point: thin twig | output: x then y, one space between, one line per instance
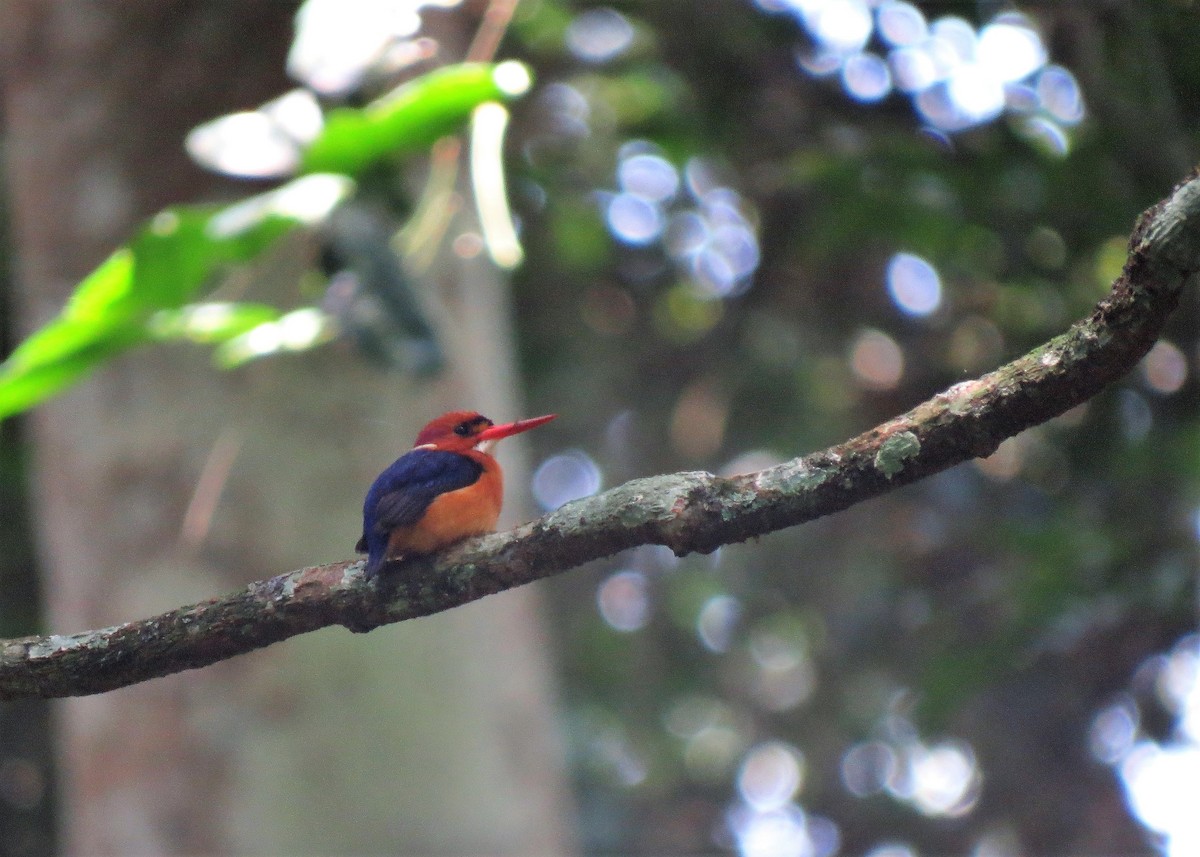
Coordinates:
493 26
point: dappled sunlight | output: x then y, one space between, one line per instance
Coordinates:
708 233
263 143
334 52
957 76
1159 776
309 199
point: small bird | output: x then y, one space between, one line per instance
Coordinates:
446 488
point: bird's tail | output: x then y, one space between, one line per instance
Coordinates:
375 564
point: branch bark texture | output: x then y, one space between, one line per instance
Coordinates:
687 512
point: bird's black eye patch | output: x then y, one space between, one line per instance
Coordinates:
472 426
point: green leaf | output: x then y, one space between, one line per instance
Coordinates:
20 390
103 289
411 118
141 292
96 311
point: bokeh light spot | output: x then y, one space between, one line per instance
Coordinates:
623 601
1165 368
1045 134
876 360
309 199
649 176
1009 52
634 219
913 284
1113 731
954 40
913 69
1159 776
958 77
976 93
844 25
940 780
333 50
901 23
599 35
1046 248
1178 686
1059 94
1161 786
566 109
819 63
264 143
771 775
1136 417
687 233
786 675
565 477
975 344
779 832
866 77
717 621
868 767
684 313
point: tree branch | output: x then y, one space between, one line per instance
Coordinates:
684 511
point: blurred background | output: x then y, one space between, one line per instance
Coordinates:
736 231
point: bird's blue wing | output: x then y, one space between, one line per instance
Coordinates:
402 493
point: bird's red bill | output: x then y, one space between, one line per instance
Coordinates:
507 429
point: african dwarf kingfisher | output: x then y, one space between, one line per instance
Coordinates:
446 488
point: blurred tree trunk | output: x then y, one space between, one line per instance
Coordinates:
428 737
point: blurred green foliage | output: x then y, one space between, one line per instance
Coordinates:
1000 605
147 291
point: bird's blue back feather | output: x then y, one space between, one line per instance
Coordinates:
401 495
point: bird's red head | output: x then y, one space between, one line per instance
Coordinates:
460 431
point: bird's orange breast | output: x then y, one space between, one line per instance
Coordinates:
453 516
